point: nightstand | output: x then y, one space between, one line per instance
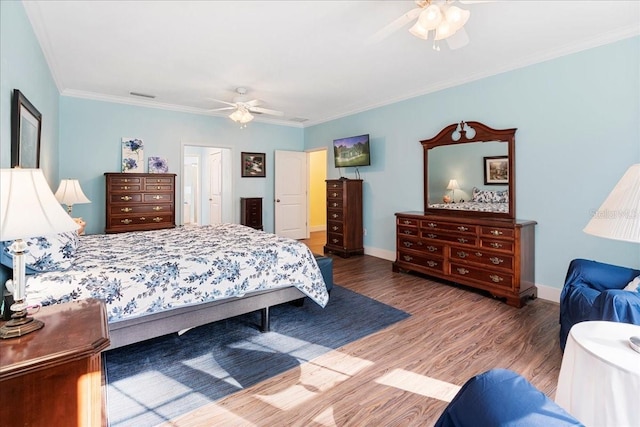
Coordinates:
54 375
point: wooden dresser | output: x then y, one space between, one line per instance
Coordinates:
489 254
139 201
344 217
251 212
53 376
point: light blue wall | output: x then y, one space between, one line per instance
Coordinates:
91 134
578 132
23 67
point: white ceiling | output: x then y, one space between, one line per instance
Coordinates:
313 60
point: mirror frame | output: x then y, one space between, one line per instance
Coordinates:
456 133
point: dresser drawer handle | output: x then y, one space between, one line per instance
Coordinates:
432 225
157 208
157 219
432 236
126 198
126 210
335 240
335 228
126 221
496 260
408 258
462 254
334 194
124 187
409 232
157 197
334 204
125 180
408 244
143 218
496 232
432 248
479 254
495 245
462 271
431 263
158 188
462 240
334 215
158 180
495 278
335 185
463 228
407 221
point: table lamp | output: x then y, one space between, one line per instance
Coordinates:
619 216
69 193
453 186
28 208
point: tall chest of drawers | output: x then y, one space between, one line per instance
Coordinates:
139 201
493 255
251 212
344 217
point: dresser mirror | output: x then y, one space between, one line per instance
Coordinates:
469 170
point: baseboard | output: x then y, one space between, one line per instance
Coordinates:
314 228
547 293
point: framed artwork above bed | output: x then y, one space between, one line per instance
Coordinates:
496 170
26 130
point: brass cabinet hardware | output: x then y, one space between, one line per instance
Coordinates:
462 254
157 219
126 210
462 240
157 197
495 278
125 187
496 260
431 248
431 263
157 208
126 198
408 244
408 258
462 271
496 232
126 221
463 228
495 245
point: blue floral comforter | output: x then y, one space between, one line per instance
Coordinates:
140 273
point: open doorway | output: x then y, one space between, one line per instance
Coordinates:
207 187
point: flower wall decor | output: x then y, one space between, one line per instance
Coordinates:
132 155
158 165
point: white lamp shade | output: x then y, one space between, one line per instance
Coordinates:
619 216
28 207
69 193
453 185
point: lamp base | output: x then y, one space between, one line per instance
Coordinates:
19 326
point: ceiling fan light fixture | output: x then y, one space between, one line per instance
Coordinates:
457 17
419 31
430 17
444 18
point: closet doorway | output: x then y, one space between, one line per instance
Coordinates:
206 185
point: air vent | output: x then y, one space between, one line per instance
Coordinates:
143 95
298 119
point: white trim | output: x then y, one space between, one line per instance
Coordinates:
314 228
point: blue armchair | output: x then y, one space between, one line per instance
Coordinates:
501 397
594 291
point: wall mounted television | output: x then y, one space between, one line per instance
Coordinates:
352 151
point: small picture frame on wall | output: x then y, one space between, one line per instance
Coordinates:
496 170
158 165
26 130
132 155
253 165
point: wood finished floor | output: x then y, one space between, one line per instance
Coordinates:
399 376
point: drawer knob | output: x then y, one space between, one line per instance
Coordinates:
142 218
479 254
496 260
432 236
462 240
462 254
463 228
126 221
334 215
407 258
431 263
158 187
431 248
126 210
495 278
495 245
157 208
124 187
335 228
334 194
409 232
158 180
432 225
407 222
335 240
125 180
462 271
496 232
334 204
157 219
157 197
408 244
126 198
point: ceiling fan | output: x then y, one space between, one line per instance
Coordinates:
441 18
242 108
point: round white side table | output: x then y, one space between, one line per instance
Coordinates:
599 381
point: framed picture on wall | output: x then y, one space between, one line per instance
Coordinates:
496 170
253 165
26 130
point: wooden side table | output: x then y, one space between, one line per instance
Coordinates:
54 376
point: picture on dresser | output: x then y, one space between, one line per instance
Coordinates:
132 155
253 165
158 165
496 170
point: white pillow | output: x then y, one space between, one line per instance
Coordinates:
634 285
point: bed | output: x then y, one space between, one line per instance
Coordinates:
481 201
164 281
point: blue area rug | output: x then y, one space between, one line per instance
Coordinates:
157 380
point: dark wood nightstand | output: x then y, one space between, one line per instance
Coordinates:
53 376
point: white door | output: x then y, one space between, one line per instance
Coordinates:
215 188
291 194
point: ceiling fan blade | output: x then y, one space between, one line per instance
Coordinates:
459 39
223 102
266 111
394 26
222 109
253 103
